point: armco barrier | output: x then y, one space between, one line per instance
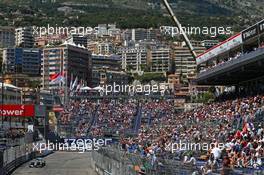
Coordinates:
13 157
10 167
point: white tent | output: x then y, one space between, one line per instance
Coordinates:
86 88
9 86
98 88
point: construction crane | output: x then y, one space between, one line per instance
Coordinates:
178 24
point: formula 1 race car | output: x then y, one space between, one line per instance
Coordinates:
38 163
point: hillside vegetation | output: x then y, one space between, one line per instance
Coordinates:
131 13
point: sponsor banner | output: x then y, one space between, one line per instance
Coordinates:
57 108
250 33
261 27
17 110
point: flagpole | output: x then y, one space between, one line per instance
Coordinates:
66 87
71 82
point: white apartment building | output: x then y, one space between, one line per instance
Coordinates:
159 59
185 64
24 37
133 58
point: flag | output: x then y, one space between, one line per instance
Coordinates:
79 86
74 83
57 78
71 81
83 83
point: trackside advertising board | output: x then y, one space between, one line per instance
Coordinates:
17 110
250 33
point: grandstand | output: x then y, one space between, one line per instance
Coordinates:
234 61
144 127
237 123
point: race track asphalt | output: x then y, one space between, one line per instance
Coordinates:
61 163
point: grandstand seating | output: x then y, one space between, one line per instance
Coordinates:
231 122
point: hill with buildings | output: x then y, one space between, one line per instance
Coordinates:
238 14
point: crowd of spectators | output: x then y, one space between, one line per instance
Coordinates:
14 133
99 118
224 61
158 108
237 124
78 114
221 62
114 117
14 128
